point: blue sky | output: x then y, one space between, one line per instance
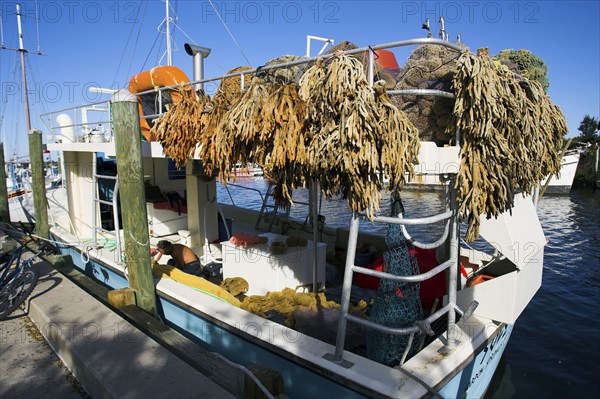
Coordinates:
103 43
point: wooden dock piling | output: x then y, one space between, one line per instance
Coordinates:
4 211
133 199
38 183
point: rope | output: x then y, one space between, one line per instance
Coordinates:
85 254
250 374
5 99
136 241
150 52
230 34
137 39
33 78
123 53
430 389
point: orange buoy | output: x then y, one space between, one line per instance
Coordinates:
155 78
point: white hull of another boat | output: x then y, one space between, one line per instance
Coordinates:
429 176
21 208
564 182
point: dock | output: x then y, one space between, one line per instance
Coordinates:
108 355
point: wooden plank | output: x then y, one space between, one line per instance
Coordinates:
271 380
133 199
38 183
4 211
64 263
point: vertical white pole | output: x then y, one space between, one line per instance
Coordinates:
23 74
307 46
314 216
168 30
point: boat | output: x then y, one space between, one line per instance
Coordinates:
425 179
564 181
19 190
250 171
463 336
473 294
20 201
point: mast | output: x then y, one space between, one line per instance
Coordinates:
22 52
168 32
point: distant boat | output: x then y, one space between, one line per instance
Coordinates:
249 171
431 178
20 201
564 182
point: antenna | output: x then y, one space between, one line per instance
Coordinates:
443 35
167 22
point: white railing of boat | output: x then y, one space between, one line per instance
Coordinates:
81 122
305 60
262 198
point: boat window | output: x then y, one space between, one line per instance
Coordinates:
174 173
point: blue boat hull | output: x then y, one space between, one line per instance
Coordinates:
299 381
475 378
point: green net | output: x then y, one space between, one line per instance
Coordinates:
397 304
526 64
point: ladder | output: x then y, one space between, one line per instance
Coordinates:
270 210
452 228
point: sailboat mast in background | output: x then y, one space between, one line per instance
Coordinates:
22 52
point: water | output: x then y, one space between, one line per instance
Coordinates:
554 351
416 203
